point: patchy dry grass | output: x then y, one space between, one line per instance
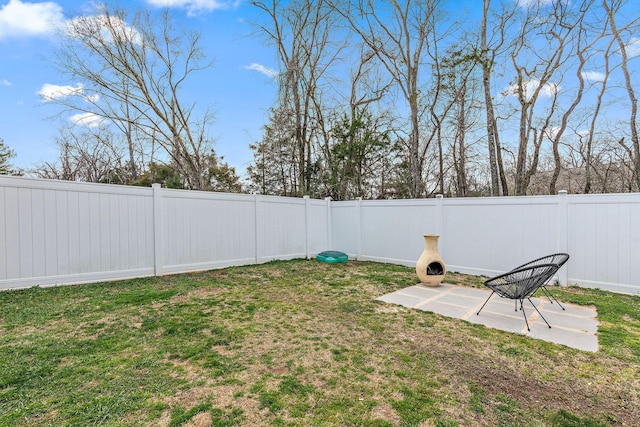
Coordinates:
298 343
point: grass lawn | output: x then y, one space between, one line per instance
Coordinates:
299 343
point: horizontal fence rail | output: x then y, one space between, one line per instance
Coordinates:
59 232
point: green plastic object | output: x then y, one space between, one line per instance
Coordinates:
332 256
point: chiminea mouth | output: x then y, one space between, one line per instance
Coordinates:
435 269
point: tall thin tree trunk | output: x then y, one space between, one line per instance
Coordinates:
492 135
461 172
633 124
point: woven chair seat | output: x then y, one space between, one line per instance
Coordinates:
520 284
560 259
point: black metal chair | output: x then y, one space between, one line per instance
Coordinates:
560 259
520 284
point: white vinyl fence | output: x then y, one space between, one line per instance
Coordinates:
491 235
56 232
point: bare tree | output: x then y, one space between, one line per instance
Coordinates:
535 71
595 115
416 89
132 69
489 50
356 159
584 44
439 105
399 36
460 86
87 155
633 149
301 32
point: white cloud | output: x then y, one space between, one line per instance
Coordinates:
593 76
262 69
528 3
5 82
583 133
549 90
49 92
92 98
96 27
23 19
195 6
89 120
633 47
552 132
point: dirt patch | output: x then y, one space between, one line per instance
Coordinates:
186 369
190 398
226 396
388 309
203 419
535 382
385 412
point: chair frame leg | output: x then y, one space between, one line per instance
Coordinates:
550 296
485 303
541 316
524 314
526 321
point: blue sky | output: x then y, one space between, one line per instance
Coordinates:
237 87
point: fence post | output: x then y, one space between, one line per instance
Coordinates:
439 213
157 229
563 237
359 228
307 224
256 235
329 227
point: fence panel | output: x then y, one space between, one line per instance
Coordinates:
204 230
345 227
392 229
282 228
65 232
491 235
318 222
604 241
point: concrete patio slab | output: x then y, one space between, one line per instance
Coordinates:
576 326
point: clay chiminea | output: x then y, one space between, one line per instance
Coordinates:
430 266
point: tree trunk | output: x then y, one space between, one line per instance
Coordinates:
492 134
633 124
